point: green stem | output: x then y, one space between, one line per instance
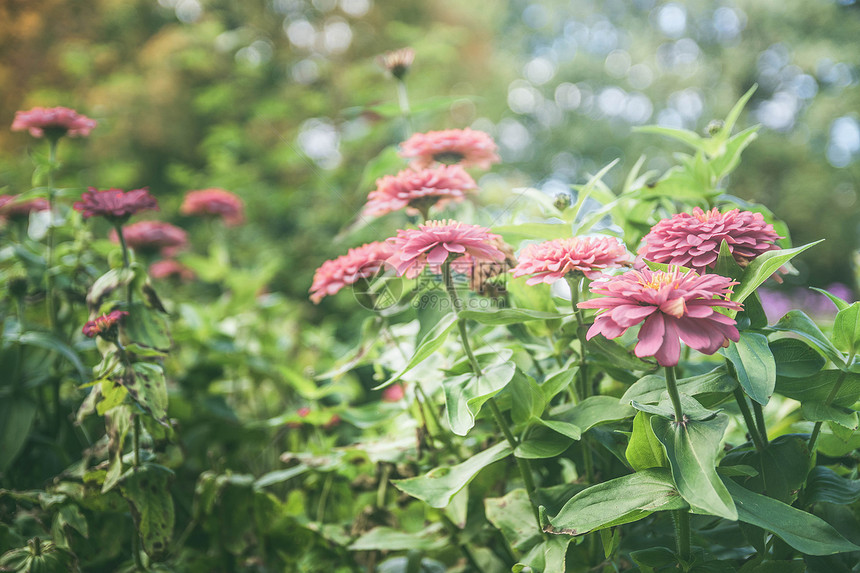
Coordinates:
135 440
741 399
432 411
672 388
454 532
49 252
575 287
125 262
681 519
135 550
816 430
403 101
759 418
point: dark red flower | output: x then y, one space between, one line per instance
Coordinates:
105 325
115 205
53 122
153 236
14 209
214 202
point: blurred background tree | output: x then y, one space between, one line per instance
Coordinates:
283 103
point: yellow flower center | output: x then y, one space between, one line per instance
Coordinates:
659 280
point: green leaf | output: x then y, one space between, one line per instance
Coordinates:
49 342
503 316
803 531
514 234
691 408
654 557
514 517
564 428
431 343
439 485
783 465
846 329
773 567
118 421
547 556
146 385
145 327
106 284
543 443
736 110
650 389
644 450
762 267
754 364
388 539
147 490
558 382
822 412
826 485
113 394
617 501
798 323
603 350
280 476
726 161
691 138
727 266
840 304
795 358
596 410
527 400
692 450
466 394
817 388
17 413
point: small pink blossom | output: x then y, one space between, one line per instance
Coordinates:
675 308
397 62
170 268
105 325
433 242
359 263
693 240
11 207
464 146
547 262
215 202
417 191
53 121
115 205
393 393
153 237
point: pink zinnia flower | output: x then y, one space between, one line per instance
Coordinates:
12 208
105 325
693 240
359 263
552 260
433 242
115 205
674 307
152 237
464 146
214 202
53 121
170 268
419 190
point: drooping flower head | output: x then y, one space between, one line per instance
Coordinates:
105 326
359 263
170 269
675 307
693 240
547 262
152 237
215 202
464 146
54 122
417 191
397 62
115 205
434 241
12 208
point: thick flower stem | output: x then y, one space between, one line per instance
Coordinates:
816 430
49 251
125 262
748 419
759 418
672 388
403 101
681 519
585 390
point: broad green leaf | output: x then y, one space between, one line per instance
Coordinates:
822 412
389 539
736 110
795 358
726 161
798 323
817 388
762 267
644 450
596 410
527 400
280 476
754 364
466 394
50 342
654 557
691 408
756 566
691 138
439 485
543 443
846 329
692 452
17 413
564 428
146 385
603 350
106 284
514 517
617 501
431 343
550 555
558 382
826 485
118 421
840 304
649 389
146 327
147 490
112 394
503 316
727 266
803 531
782 466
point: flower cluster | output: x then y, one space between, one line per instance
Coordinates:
675 307
693 240
53 122
590 256
359 263
115 205
466 147
216 202
419 190
105 325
